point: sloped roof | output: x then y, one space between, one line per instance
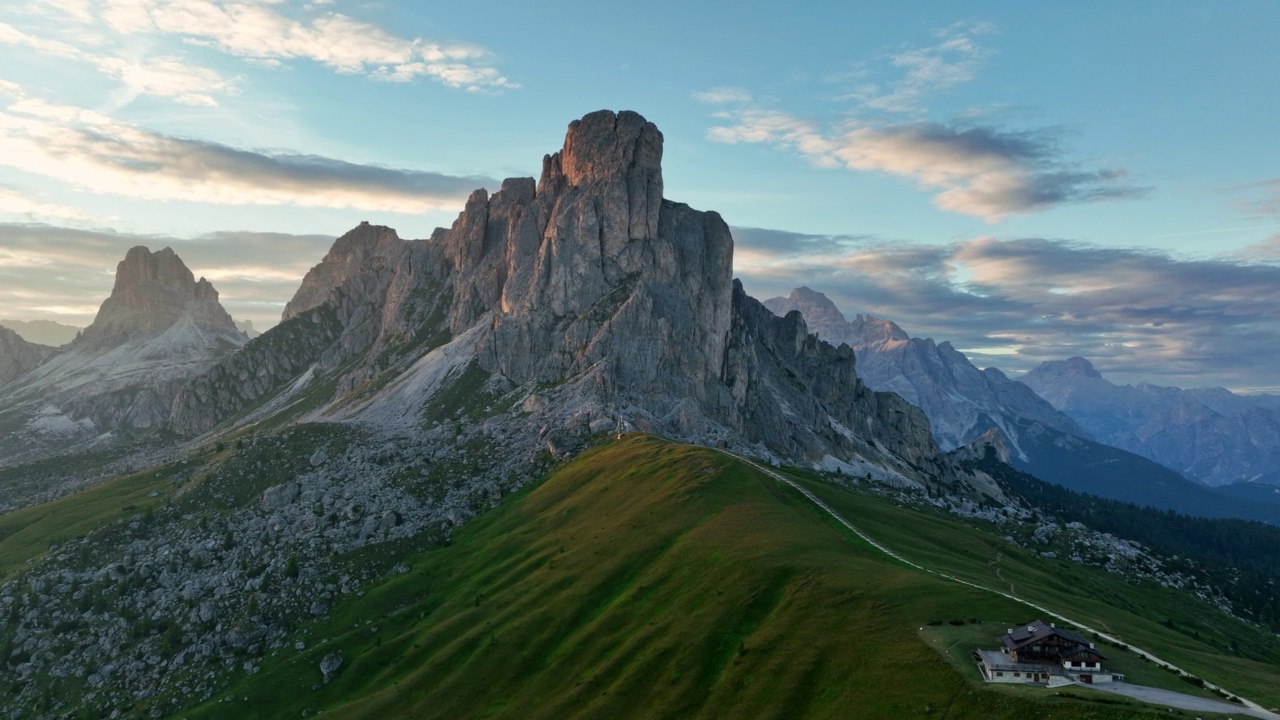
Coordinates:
1025 635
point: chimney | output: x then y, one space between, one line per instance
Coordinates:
1053 624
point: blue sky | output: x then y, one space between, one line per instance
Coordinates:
909 162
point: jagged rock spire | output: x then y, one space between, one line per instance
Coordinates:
152 292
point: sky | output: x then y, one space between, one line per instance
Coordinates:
1028 181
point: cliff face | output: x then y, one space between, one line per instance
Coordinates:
583 297
154 292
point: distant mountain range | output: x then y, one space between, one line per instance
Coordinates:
1210 434
964 404
42 332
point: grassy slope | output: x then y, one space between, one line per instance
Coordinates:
1136 613
28 534
647 579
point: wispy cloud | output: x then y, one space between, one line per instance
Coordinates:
161 76
981 171
1261 199
94 152
971 168
720 95
13 202
954 59
1266 251
266 31
1144 315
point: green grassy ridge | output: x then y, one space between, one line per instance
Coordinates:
646 579
1133 612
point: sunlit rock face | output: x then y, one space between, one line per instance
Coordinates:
590 296
154 291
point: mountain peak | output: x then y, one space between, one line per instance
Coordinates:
871 329
820 314
348 256
1073 367
154 291
605 144
616 157
1081 366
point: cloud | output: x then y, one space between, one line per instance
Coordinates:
973 169
13 202
161 76
981 171
260 30
756 250
65 274
94 152
953 60
722 95
1262 198
1142 315
1266 251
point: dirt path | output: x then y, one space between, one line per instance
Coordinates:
1253 708
996 562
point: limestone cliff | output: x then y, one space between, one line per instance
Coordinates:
583 297
154 292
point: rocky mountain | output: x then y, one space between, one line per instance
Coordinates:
246 327
42 332
307 517
575 302
971 409
17 356
1211 435
157 329
961 401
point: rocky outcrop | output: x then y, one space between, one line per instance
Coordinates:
961 401
373 300
159 328
589 296
17 356
991 442
1211 435
154 292
246 327
799 394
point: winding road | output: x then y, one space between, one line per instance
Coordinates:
1146 694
